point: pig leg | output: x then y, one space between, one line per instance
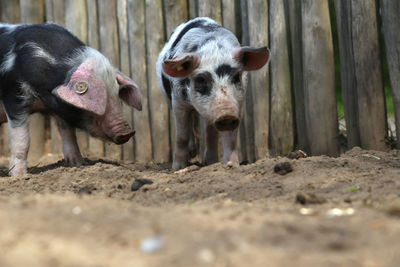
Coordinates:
211 151
19 146
228 139
183 126
72 155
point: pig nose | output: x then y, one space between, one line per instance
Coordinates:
226 123
123 138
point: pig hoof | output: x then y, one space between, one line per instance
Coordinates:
232 164
74 162
17 172
178 165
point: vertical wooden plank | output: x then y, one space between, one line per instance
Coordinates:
192 9
347 72
228 15
32 12
371 99
293 10
55 12
281 122
319 78
96 146
246 130
230 21
137 51
391 26
158 106
212 9
124 66
76 22
108 36
362 85
175 13
258 36
10 13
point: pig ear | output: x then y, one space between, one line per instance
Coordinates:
252 58
129 91
181 66
84 90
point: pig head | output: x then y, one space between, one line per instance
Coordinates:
216 91
98 92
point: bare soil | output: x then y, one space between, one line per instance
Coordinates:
341 211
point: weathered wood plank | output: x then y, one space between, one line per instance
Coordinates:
158 106
76 21
10 13
319 78
362 86
293 10
32 12
212 9
55 12
137 46
124 66
246 127
391 26
281 122
258 36
108 36
96 146
175 13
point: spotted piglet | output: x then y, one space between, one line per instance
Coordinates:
46 68
201 68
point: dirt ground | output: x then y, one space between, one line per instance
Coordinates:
327 212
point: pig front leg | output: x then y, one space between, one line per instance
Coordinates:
183 126
72 155
211 151
228 139
19 145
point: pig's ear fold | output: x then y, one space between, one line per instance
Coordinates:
252 58
181 66
84 90
129 92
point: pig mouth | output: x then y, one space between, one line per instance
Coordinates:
226 123
123 138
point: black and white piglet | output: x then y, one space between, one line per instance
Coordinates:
46 68
201 68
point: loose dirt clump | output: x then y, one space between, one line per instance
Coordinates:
326 212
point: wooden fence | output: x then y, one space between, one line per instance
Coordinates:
289 104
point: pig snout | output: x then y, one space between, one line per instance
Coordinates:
123 138
226 123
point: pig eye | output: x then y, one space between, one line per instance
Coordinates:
203 83
236 78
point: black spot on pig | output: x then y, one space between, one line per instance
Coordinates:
203 83
199 23
167 85
225 70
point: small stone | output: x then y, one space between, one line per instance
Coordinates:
297 154
84 190
119 186
283 168
139 182
309 198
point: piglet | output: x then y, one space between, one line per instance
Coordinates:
201 69
46 68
